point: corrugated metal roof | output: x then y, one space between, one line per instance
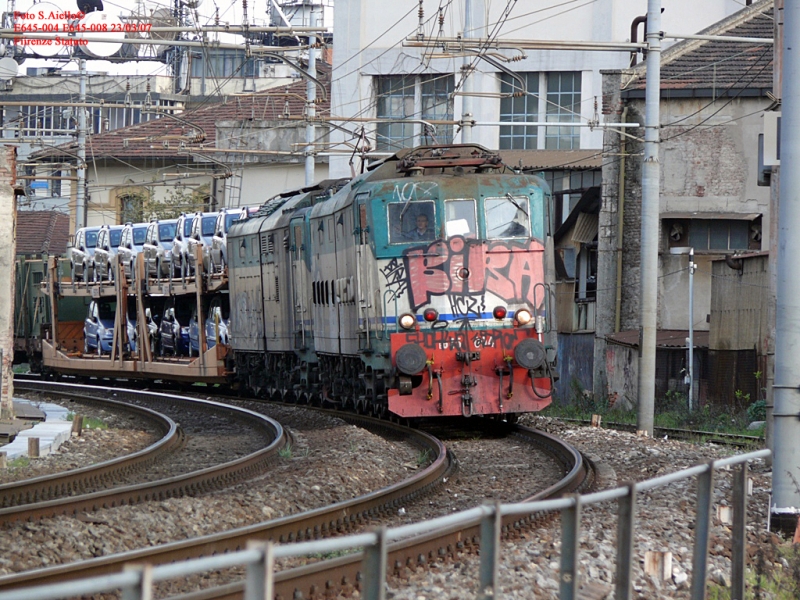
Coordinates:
553 159
585 230
665 338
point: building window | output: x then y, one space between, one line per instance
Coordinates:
719 234
563 106
560 104
437 105
400 97
222 63
44 121
519 108
55 184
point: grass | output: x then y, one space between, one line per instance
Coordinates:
289 451
423 457
19 462
671 412
776 579
89 422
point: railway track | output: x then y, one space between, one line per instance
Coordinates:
50 495
342 572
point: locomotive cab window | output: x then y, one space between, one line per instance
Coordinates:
507 217
460 218
411 222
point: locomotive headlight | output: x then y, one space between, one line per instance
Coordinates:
523 316
407 321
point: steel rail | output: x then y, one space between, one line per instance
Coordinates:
57 485
211 478
339 517
345 573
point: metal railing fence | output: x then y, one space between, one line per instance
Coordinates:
137 580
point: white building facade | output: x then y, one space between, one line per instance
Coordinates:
377 82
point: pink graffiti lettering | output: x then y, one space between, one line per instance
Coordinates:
461 267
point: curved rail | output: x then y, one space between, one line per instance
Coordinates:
338 517
346 571
58 485
212 478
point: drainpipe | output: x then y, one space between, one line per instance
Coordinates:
620 218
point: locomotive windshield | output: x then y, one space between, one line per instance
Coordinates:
460 218
411 221
507 217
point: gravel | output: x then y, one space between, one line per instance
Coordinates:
314 476
311 477
665 521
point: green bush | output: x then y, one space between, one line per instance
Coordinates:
757 411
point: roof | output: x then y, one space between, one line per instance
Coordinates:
169 137
722 68
589 203
665 338
552 159
42 232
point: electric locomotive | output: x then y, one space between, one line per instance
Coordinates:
420 287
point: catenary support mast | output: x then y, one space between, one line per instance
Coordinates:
311 100
651 170
786 463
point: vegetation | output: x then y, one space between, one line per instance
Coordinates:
776 578
89 422
288 451
19 462
423 457
671 412
138 204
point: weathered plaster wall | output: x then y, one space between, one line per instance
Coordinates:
8 223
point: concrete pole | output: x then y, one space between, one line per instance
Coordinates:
8 218
80 193
786 462
651 171
691 328
467 112
311 100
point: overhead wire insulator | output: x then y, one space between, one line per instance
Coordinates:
421 28
246 27
441 21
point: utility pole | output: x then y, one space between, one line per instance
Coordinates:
80 192
651 172
311 100
786 462
467 114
